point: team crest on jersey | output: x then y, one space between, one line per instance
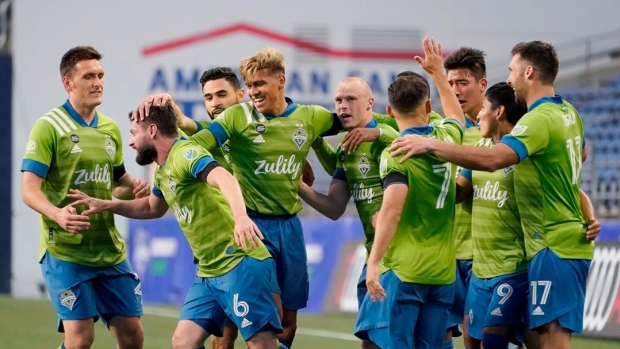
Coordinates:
110 147
364 165
31 147
67 299
172 185
191 154
300 136
383 167
507 170
226 148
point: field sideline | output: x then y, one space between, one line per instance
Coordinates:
30 324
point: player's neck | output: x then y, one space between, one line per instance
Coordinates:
87 113
163 148
415 119
280 106
539 92
473 113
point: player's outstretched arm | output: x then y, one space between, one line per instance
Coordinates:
66 217
331 205
245 229
587 208
433 65
394 198
326 155
144 208
128 188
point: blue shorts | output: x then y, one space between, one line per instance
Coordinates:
361 288
461 286
557 290
284 239
243 296
411 315
498 301
81 292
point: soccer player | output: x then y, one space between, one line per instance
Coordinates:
83 259
548 146
212 215
411 270
357 173
466 71
269 140
497 296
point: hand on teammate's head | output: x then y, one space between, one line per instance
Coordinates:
158 99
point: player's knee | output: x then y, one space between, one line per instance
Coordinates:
80 342
369 345
180 341
494 341
225 342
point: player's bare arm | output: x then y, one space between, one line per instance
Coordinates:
357 136
593 225
331 205
474 158
144 208
245 229
433 65
393 201
128 188
326 154
464 188
66 217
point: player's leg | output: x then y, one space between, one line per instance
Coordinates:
200 316
469 341
118 294
227 341
430 328
557 297
457 312
361 294
70 289
244 293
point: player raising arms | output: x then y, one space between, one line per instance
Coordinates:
238 280
411 270
548 146
83 259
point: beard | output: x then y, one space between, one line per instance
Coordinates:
146 155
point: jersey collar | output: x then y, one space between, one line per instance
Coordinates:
288 111
557 99
78 118
469 123
372 124
418 130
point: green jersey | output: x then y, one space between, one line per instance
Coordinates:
361 172
221 155
549 141
463 221
268 152
69 154
497 237
422 250
200 209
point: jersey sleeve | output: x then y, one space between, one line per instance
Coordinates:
529 136
118 139
390 165
454 130
193 160
339 171
322 119
385 120
218 132
434 118
326 155
388 134
40 149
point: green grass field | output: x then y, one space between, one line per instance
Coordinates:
31 324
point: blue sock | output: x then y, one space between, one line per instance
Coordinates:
494 341
286 344
448 344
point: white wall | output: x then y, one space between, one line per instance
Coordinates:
44 30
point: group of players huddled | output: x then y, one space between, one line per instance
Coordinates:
474 222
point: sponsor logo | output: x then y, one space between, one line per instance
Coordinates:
182 214
518 130
260 128
359 193
538 311
76 149
191 154
245 323
281 166
497 312
74 138
259 139
491 192
101 174
31 147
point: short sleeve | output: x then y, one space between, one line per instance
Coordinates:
385 120
453 129
390 164
322 119
529 136
40 148
339 171
118 139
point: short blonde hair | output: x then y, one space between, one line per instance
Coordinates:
269 58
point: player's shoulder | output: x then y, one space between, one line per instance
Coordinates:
313 108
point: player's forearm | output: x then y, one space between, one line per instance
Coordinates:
326 155
474 158
387 222
137 209
230 189
587 208
36 200
449 101
205 139
328 206
123 189
187 125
